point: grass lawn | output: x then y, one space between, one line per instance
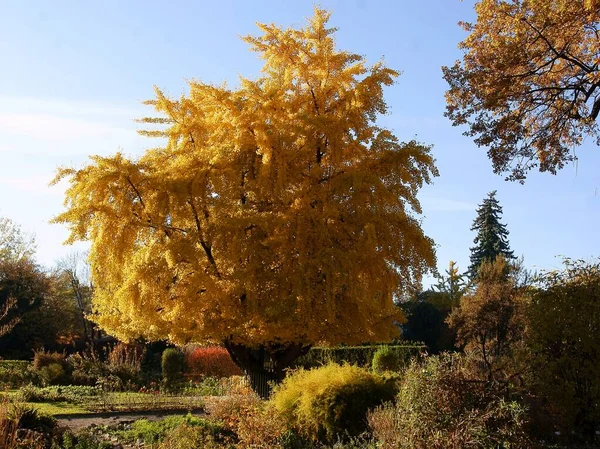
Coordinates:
116 401
143 401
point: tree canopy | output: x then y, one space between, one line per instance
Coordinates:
23 287
528 84
491 240
278 211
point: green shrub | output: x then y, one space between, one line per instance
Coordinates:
152 432
206 436
53 374
172 368
440 406
330 402
87 368
385 359
52 368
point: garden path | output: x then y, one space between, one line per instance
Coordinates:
83 421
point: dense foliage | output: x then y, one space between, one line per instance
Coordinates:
278 214
440 406
527 85
331 402
490 321
564 319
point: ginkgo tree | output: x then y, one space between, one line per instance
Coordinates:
277 215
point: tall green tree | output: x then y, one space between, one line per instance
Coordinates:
492 236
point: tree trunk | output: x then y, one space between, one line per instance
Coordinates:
265 365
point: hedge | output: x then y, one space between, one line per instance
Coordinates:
356 355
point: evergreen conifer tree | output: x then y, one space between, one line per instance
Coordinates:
492 236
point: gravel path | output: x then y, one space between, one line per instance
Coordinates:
82 421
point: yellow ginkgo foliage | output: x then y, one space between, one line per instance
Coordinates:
277 215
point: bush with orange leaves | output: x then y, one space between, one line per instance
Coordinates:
210 361
256 423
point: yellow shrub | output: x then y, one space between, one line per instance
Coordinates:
331 402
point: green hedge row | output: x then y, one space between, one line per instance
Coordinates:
22 364
355 355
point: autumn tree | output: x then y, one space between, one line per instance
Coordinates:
52 323
22 288
18 275
277 215
75 269
14 242
528 83
491 240
564 320
489 321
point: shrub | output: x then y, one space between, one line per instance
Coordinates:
210 361
172 368
438 406
87 368
230 410
31 419
186 436
52 368
152 432
385 359
125 361
564 315
331 402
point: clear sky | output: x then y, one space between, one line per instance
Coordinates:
73 75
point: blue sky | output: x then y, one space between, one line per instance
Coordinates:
74 74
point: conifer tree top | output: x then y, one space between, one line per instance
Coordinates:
492 235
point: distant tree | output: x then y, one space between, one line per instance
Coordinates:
14 243
492 236
564 322
528 85
76 269
453 284
54 324
22 288
490 320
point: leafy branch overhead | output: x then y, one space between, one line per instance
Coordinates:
528 86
